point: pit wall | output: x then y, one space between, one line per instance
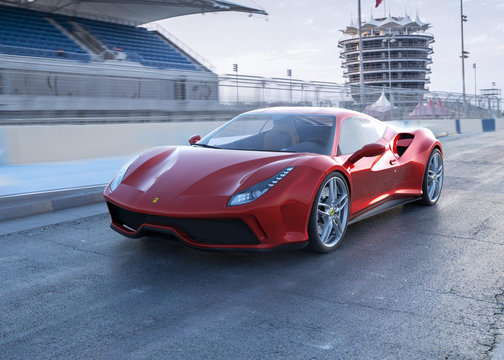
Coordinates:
442 127
47 143
3 145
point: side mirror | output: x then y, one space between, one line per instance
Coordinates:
368 150
194 139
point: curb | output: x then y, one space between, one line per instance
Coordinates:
22 205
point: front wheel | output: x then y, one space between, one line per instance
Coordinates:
329 215
433 179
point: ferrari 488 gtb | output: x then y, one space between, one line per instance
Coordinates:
276 177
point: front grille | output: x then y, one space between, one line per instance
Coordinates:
204 231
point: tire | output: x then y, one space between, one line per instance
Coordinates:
432 183
329 214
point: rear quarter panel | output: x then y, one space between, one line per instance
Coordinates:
416 156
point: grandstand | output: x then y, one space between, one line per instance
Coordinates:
94 57
29 33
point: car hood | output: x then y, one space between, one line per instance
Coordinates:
176 173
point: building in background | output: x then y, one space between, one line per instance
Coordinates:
396 57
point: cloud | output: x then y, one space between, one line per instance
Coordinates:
478 39
303 51
306 63
493 4
309 21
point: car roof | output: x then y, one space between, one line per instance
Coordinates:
338 112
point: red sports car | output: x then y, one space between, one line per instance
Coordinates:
276 177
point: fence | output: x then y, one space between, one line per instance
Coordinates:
25 90
259 91
104 89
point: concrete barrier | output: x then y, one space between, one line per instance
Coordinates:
453 126
47 143
471 126
2 146
437 126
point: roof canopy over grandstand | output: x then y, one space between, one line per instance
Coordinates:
135 11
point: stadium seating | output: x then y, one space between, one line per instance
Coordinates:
140 44
30 33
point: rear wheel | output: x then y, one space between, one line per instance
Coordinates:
329 215
433 179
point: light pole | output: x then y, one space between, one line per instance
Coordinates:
497 96
475 95
464 55
361 60
235 69
263 83
289 74
389 40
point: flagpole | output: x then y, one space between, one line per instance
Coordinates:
361 61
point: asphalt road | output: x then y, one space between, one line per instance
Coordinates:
414 283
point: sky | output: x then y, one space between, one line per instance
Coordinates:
303 35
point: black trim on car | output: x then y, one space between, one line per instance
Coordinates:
203 231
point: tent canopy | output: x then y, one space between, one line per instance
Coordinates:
429 110
381 105
135 11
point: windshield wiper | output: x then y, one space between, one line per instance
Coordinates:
206 146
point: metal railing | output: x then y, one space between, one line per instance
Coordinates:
385 76
392 47
422 34
72 86
46 53
23 91
428 50
384 67
180 44
85 57
420 57
253 91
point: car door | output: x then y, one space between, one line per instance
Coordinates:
373 178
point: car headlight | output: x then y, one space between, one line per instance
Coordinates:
120 174
258 190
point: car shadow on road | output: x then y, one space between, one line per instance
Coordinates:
359 237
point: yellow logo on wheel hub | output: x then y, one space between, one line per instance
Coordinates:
332 212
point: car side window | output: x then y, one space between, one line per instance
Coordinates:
357 131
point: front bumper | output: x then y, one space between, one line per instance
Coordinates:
239 233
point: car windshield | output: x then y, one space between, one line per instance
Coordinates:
275 132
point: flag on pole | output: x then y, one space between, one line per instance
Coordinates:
378 2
